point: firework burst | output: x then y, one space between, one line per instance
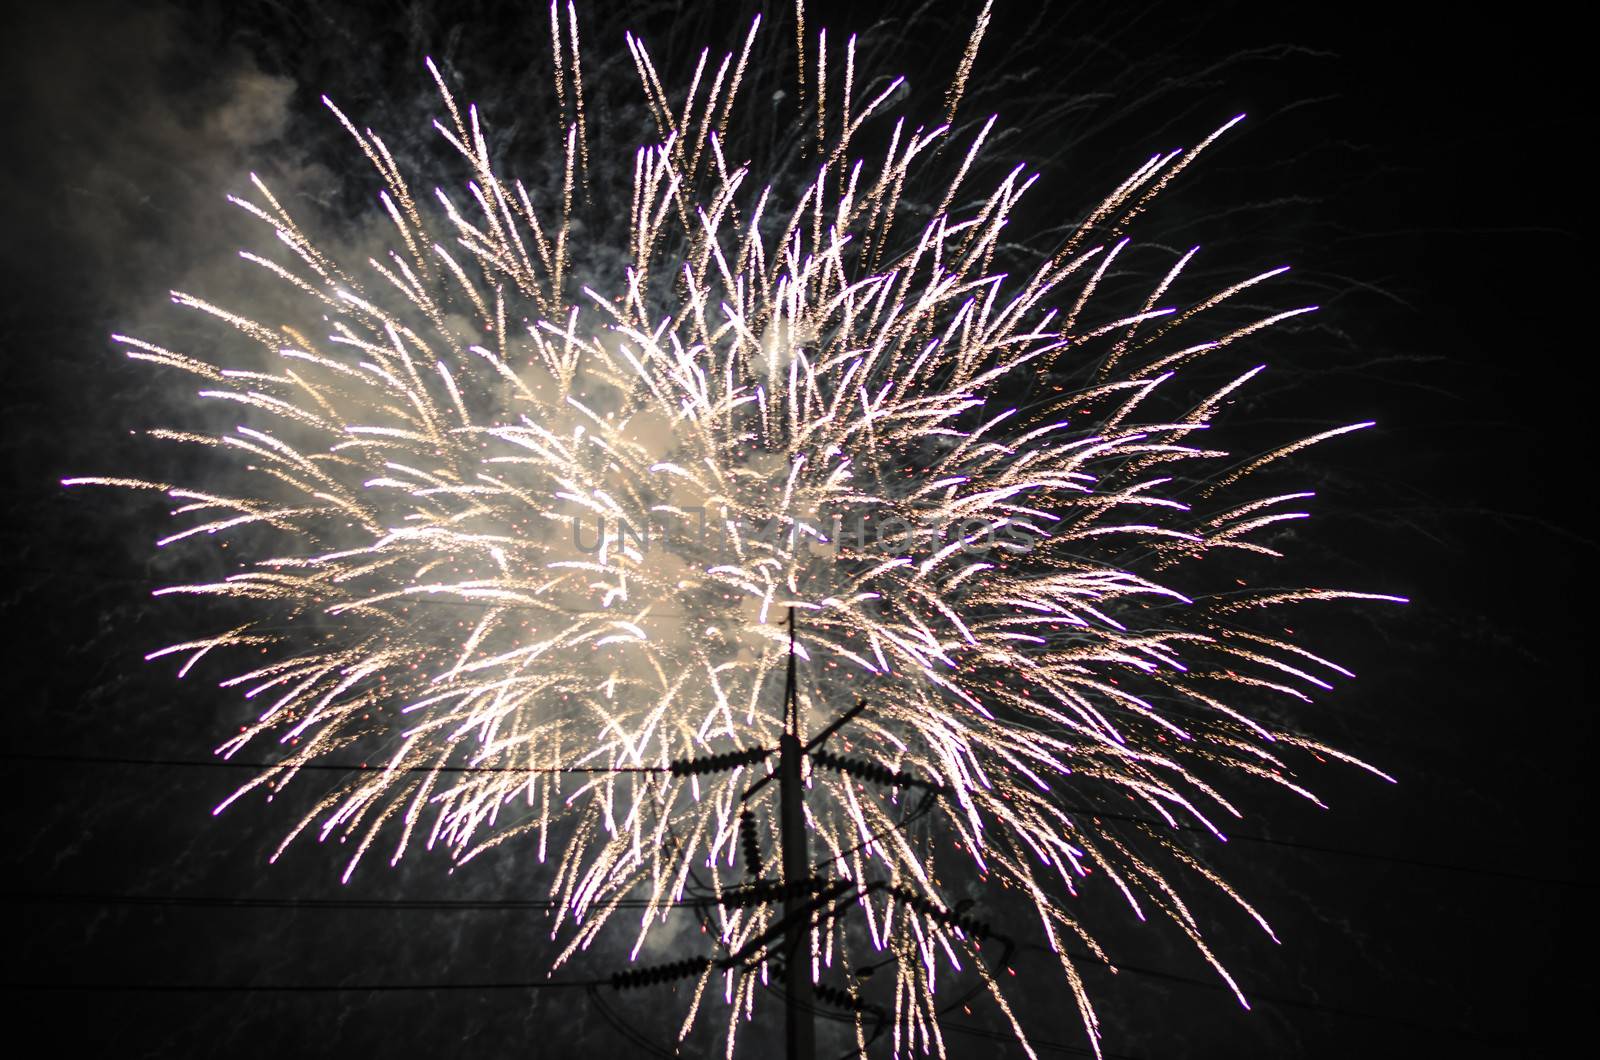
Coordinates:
494 520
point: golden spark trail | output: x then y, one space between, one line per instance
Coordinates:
487 515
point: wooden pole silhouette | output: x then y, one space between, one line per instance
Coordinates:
799 1035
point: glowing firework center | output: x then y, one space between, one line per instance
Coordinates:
490 530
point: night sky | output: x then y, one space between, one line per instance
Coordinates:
1422 174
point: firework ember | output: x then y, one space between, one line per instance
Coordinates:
495 516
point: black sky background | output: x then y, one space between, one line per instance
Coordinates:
1421 168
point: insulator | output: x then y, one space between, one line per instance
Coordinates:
684 767
834 996
752 846
932 910
872 771
762 892
660 973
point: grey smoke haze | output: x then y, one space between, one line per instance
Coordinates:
129 145
127 127
144 137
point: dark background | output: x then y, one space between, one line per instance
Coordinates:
1423 170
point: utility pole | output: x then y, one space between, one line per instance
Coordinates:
805 898
799 1034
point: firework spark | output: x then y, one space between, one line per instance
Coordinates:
489 523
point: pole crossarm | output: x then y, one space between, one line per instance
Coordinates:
808 900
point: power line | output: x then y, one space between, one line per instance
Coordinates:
326 767
387 904
591 985
1255 996
537 905
1038 1043
105 986
337 767
1442 866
